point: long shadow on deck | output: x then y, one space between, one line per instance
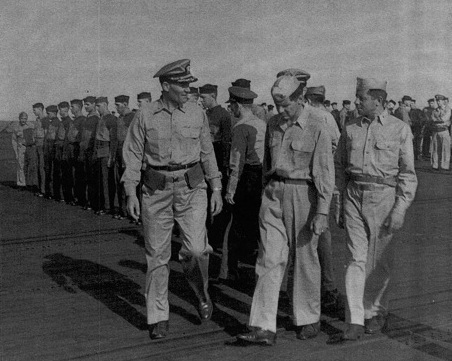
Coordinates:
116 291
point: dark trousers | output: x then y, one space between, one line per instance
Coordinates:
57 171
49 157
67 179
80 182
40 168
244 233
104 195
120 192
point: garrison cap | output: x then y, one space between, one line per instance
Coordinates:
284 87
90 99
392 101
333 103
144 95
52 109
346 102
363 84
77 101
406 97
317 90
301 75
63 105
122 99
177 71
440 97
38 105
194 90
242 83
208 89
241 95
101 100
428 101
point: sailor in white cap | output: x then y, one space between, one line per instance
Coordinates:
377 181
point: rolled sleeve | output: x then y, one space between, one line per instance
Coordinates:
132 152
237 159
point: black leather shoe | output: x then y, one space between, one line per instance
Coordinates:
205 310
158 330
258 336
353 332
307 331
375 324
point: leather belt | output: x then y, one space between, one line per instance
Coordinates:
172 168
290 181
365 178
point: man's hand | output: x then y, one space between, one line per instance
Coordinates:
216 203
229 198
319 224
338 210
133 207
394 221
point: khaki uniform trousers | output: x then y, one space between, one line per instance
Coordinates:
160 208
370 251
20 158
441 150
284 221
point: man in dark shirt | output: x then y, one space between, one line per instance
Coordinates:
144 98
124 120
418 122
72 152
220 131
86 156
104 155
39 132
336 114
50 130
61 178
428 133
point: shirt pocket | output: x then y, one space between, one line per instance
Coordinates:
387 152
190 140
301 153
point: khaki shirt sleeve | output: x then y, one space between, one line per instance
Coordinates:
323 171
407 180
237 159
208 160
133 152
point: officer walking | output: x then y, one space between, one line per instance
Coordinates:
172 138
299 169
376 177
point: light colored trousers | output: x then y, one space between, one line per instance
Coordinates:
160 209
19 149
370 251
284 221
441 150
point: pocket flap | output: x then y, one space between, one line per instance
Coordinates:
302 146
385 145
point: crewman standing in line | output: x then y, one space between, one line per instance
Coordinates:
49 150
144 98
39 134
172 138
377 181
124 120
72 152
104 155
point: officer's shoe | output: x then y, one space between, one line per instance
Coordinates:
159 330
307 331
258 336
205 310
375 324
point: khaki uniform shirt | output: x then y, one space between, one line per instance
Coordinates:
248 137
381 148
158 137
301 151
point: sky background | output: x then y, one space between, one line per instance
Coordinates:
56 50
